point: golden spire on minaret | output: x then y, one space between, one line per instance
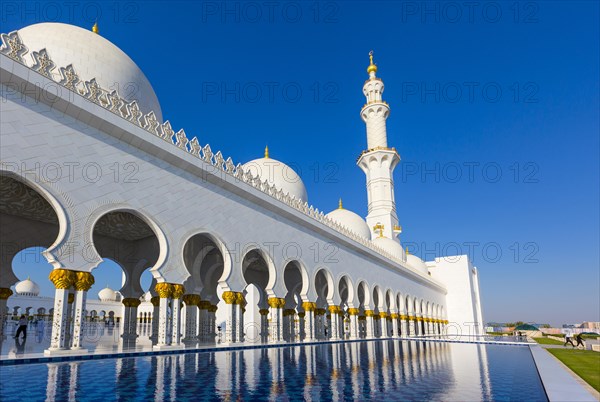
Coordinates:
95 27
267 152
372 67
340 205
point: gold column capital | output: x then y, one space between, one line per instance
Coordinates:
5 293
212 308
369 313
191 299
204 305
240 299
320 311
309 306
178 290
71 298
383 314
335 309
164 290
263 311
62 278
83 280
155 301
301 314
353 311
395 316
229 297
276 302
131 302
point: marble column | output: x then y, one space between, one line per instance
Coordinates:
231 326
212 323
301 325
411 325
165 292
5 293
178 291
395 325
264 324
83 283
129 321
354 331
334 328
384 324
191 317
370 324
288 319
62 279
155 318
203 307
404 325
309 321
320 324
276 304
241 302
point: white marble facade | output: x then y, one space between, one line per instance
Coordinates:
88 174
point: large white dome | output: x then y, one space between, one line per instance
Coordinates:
27 288
107 294
391 246
278 174
351 221
417 264
92 56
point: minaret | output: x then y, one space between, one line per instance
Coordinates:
378 161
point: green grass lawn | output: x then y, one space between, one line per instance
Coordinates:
583 362
548 341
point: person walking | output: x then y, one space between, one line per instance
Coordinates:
569 337
22 328
579 339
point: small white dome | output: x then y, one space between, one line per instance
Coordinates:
417 264
351 221
391 246
278 174
92 56
27 288
107 294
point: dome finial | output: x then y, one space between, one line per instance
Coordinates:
95 27
407 252
267 152
372 67
340 205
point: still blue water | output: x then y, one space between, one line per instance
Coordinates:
380 370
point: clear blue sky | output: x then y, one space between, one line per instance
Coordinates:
504 94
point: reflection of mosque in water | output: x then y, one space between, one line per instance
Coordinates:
364 370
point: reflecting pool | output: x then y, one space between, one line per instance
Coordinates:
377 370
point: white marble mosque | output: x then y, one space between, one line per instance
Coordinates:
227 243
